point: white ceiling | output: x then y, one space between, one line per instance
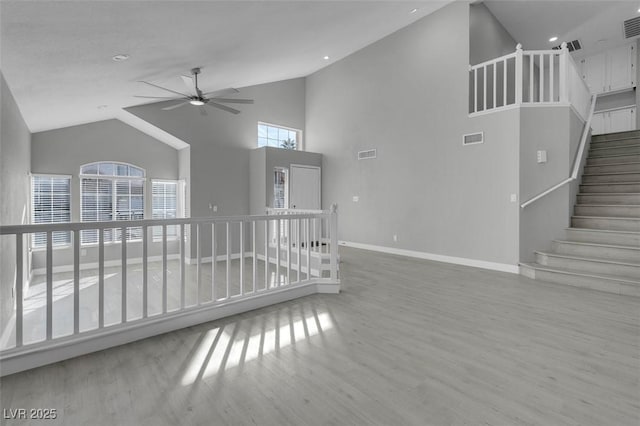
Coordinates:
597 24
56 55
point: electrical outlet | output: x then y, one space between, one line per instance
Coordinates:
215 209
395 238
356 198
514 198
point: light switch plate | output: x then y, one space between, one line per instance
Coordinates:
542 156
356 198
514 198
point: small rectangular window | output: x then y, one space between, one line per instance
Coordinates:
165 206
50 203
278 136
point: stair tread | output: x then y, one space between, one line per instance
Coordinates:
584 243
616 147
588 259
614 155
606 217
611 173
623 279
608 205
600 194
616 139
611 183
615 164
610 231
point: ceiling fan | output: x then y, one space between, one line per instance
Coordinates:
198 98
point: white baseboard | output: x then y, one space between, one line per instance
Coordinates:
32 356
494 266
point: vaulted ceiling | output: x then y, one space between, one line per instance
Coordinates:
57 55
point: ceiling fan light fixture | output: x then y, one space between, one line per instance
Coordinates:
196 102
552 39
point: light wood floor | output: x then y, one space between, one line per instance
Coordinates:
407 342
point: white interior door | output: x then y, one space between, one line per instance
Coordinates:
597 123
620 68
304 187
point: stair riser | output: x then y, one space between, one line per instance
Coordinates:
606 188
587 236
587 266
626 199
619 254
618 135
620 150
615 142
592 283
613 168
613 160
611 178
610 224
608 211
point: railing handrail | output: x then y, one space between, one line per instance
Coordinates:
577 161
81 226
491 61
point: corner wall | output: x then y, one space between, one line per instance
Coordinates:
15 165
407 96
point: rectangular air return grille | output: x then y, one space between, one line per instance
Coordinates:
473 138
632 27
367 155
571 45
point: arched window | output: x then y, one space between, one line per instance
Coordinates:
111 191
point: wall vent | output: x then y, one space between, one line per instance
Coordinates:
473 138
632 27
571 45
367 155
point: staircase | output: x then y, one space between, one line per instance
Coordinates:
601 249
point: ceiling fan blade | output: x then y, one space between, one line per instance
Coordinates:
232 101
222 92
190 83
152 97
164 88
169 108
223 107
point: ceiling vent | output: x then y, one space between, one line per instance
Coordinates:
632 27
367 155
473 138
571 45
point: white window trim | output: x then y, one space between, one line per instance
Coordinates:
300 141
30 212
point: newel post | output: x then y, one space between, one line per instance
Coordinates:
564 73
518 75
334 243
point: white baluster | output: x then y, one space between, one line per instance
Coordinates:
164 268
241 258
254 252
123 299
19 288
198 261
100 278
145 271
182 267
76 282
518 77
228 261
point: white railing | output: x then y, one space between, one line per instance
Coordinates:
234 260
528 78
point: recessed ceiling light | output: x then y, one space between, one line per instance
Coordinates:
102 106
326 58
120 57
552 39
196 102
638 10
413 10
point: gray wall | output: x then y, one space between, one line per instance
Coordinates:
547 218
221 143
488 39
15 158
63 151
406 96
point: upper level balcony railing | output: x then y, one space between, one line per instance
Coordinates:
528 78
